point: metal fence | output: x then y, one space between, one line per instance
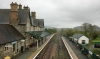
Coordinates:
85 51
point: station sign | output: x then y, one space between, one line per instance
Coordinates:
97 44
14 42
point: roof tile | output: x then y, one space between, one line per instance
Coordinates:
8 34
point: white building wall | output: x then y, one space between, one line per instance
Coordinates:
83 38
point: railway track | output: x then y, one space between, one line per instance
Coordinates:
62 52
45 53
55 49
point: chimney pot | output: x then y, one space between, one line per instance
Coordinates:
20 6
14 6
33 14
26 7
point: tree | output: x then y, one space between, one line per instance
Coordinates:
68 32
85 28
62 32
90 31
54 30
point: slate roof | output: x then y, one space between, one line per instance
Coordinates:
41 22
38 22
77 36
38 33
23 15
4 16
9 34
44 33
35 22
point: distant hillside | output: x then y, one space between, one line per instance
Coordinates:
49 27
81 28
59 29
97 28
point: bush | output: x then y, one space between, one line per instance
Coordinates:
96 51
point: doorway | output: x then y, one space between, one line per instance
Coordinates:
83 41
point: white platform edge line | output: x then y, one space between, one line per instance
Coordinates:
67 48
43 46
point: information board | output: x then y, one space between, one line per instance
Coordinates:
97 44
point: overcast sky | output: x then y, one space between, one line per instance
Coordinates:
62 13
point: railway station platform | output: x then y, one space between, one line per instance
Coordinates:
31 53
73 50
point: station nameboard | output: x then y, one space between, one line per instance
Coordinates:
97 44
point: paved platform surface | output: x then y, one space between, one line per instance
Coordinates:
76 50
30 53
26 53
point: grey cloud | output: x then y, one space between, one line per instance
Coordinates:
62 13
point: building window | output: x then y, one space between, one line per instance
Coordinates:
6 47
13 47
83 41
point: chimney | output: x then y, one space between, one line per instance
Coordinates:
33 14
20 6
14 14
26 7
14 6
